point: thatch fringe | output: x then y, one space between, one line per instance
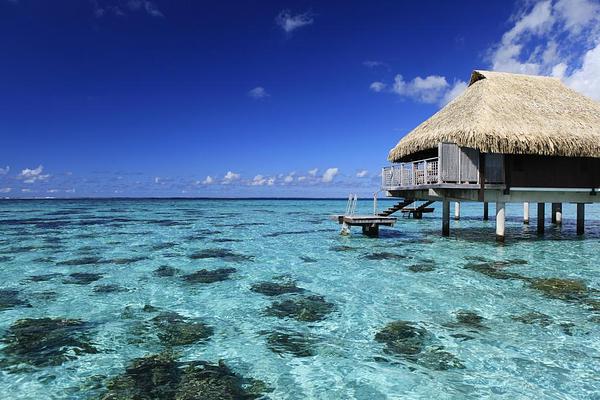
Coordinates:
511 114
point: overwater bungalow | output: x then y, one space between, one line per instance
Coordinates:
506 138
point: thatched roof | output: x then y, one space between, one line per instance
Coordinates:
511 114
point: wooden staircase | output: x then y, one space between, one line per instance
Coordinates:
398 206
417 212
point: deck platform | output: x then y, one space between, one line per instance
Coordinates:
369 223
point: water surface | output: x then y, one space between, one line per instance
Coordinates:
273 290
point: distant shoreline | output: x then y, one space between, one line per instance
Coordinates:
179 198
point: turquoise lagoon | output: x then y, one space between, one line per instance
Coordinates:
293 304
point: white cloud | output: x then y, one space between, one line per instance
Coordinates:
70 191
33 175
230 177
4 171
289 22
5 190
270 181
52 190
362 173
587 78
258 93
431 89
289 178
329 174
377 86
25 190
425 90
557 38
577 14
313 172
301 178
208 180
375 64
121 8
258 180
157 179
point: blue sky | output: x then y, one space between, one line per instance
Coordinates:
163 98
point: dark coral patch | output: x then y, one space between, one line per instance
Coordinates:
109 288
468 319
162 377
384 256
226 240
81 261
302 308
43 277
222 254
162 246
494 270
45 341
307 259
165 271
10 298
275 288
402 337
562 289
533 318
209 276
415 344
124 261
342 249
176 330
422 267
82 278
287 342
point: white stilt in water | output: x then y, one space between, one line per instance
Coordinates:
558 214
345 230
457 210
526 213
445 218
500 221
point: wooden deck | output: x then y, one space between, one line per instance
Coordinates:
369 223
361 220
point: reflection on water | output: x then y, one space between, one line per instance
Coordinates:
264 299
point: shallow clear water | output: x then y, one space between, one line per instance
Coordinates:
419 277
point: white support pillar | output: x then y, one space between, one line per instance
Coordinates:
457 210
558 215
526 213
500 221
445 218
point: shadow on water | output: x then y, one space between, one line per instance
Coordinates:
515 235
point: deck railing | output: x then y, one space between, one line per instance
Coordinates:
421 172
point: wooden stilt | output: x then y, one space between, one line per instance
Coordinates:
445 218
580 218
371 230
457 210
500 221
541 210
526 213
485 211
